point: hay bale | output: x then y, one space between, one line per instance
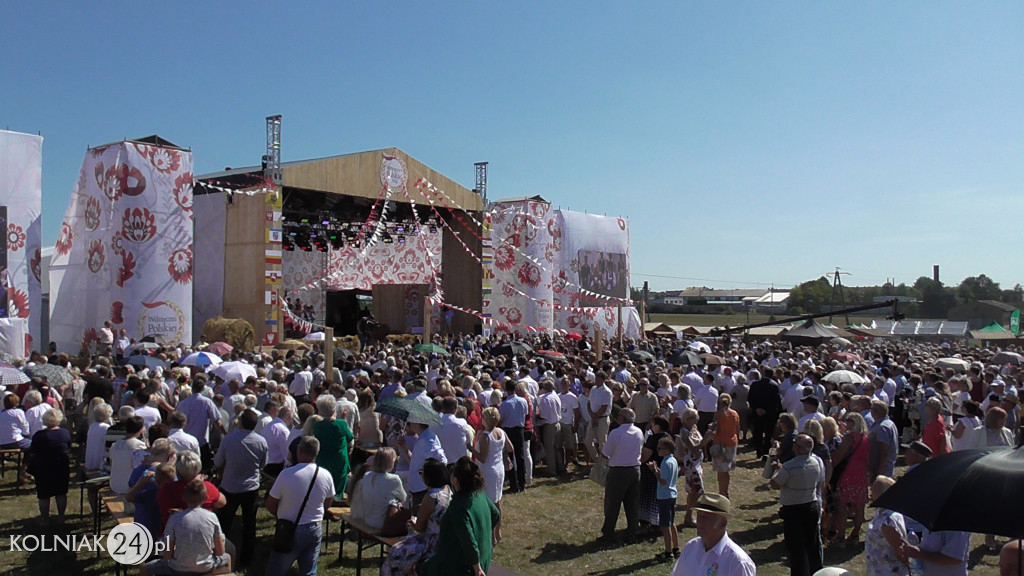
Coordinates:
235 331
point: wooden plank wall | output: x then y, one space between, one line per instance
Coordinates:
244 260
359 175
462 273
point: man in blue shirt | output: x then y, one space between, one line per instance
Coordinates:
241 455
514 410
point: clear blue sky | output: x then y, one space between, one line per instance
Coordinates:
749 143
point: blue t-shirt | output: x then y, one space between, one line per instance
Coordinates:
670 472
147 511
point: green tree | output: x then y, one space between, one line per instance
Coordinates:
978 288
936 299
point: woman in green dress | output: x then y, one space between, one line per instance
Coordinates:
335 438
469 529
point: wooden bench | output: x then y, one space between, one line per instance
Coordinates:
365 539
12 455
333 514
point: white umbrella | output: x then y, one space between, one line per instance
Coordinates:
234 371
319 336
699 347
201 359
840 341
844 377
953 363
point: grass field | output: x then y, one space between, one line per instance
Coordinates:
548 530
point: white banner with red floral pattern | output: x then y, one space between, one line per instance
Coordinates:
125 249
21 170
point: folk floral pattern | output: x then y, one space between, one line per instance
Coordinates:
92 213
15 237
127 238
63 246
536 268
179 265
138 225
96 256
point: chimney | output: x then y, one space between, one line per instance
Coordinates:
935 273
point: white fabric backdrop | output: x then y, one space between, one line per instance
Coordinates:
208 283
21 169
125 249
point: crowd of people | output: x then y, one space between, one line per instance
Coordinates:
190 450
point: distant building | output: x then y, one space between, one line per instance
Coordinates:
763 300
981 313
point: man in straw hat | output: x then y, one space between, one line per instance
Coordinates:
712 551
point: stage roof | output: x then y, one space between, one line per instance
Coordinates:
358 175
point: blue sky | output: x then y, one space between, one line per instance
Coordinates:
748 143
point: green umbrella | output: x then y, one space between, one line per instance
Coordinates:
430 349
408 410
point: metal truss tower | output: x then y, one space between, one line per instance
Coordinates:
272 160
481 180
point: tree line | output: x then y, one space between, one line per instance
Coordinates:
933 299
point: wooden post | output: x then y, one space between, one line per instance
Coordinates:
619 328
426 319
599 343
329 356
643 316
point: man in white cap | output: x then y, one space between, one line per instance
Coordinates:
712 551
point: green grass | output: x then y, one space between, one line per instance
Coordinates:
548 530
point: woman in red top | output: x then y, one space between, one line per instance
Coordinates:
933 432
473 415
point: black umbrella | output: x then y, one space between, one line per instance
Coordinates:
640 356
968 491
512 348
686 358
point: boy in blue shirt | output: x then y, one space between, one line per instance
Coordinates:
668 476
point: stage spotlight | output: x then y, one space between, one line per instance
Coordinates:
401 239
400 229
288 244
387 238
337 243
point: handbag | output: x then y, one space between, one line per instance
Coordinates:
599 473
837 470
284 530
396 520
768 471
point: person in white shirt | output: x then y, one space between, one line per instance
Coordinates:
705 400
792 399
549 410
95 442
622 487
531 385
181 440
34 410
712 551
126 454
455 434
345 407
270 410
599 409
569 417
150 415
809 408
302 384
277 435
285 502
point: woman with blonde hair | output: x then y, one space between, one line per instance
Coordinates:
725 439
690 455
489 451
853 478
832 440
377 488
